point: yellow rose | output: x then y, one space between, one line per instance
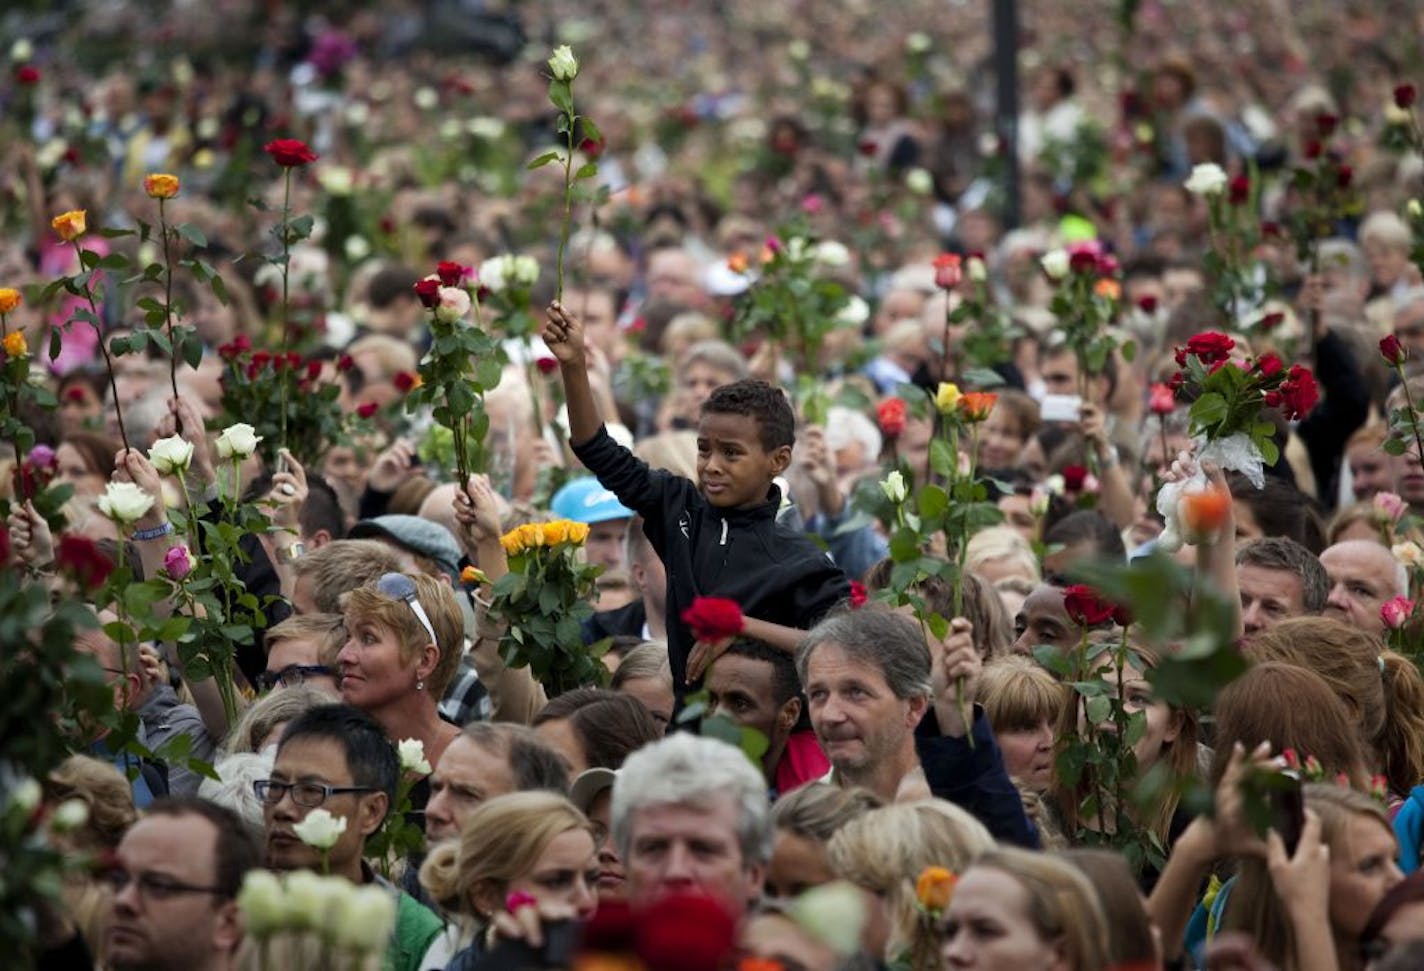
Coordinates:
512 541
9 299
160 185
70 225
556 532
947 397
578 532
15 345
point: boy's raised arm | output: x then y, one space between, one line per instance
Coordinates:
563 332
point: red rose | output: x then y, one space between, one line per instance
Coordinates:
1326 123
1180 357
1405 95
546 365
685 932
867 147
1271 321
1393 351
1269 365
713 618
1271 229
79 557
27 74
947 271
1176 381
1273 399
235 348
1239 190
611 930
1211 346
404 381
1083 261
1086 606
1298 392
1147 303
1344 177
858 595
345 363
289 152
451 274
1312 148
313 370
429 293
366 409
1122 616
891 414
1074 476
1161 399
260 359
4 544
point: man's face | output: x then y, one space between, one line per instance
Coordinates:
600 318
1268 596
859 721
466 775
321 761
674 274
741 688
1408 476
1409 327
291 653
1363 575
1060 372
606 544
1043 620
164 917
682 847
733 467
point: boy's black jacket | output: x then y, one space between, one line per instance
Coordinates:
773 572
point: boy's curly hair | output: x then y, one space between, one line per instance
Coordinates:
761 401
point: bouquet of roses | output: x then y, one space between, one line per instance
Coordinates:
1229 391
1086 302
542 601
250 394
797 300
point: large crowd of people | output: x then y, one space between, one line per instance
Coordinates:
887 761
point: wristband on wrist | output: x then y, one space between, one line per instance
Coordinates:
154 533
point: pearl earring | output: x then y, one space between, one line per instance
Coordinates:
420 686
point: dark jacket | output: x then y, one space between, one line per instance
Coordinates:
774 573
974 778
625 621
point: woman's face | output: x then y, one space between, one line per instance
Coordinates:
70 467
987 927
611 876
1163 724
372 672
1362 871
565 873
1028 755
699 380
797 865
1001 439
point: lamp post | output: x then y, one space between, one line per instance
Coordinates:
1006 106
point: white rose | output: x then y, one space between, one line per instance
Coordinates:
798 50
563 65
70 815
1055 263
320 829
893 485
831 253
1038 501
485 127
1413 209
237 441
308 898
1207 179
854 314
412 756
22 50
336 179
356 248
917 42
1408 553
525 270
975 269
493 273
451 129
357 114
454 304
367 919
124 502
263 903
797 248
919 181
834 914
426 99
171 455
26 796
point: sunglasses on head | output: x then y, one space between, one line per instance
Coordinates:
401 587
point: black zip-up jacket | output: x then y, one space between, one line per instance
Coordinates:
774 573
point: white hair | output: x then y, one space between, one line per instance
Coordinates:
233 787
686 769
845 426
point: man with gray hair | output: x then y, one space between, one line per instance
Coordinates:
1278 579
884 708
691 815
1363 575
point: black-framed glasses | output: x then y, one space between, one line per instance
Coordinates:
308 795
290 675
401 587
155 886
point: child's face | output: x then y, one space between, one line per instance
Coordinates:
734 469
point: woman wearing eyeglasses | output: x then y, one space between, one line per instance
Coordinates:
404 638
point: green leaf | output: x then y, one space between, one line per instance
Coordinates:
1209 409
590 130
192 234
587 170
981 379
543 160
1098 709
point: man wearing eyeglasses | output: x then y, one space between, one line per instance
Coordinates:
175 882
337 758
302 650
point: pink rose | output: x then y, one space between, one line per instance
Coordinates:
1389 507
1396 611
177 562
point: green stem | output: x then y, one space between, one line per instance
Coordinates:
568 199
282 372
168 303
1413 414
104 347
14 408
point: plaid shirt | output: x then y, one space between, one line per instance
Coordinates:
466 700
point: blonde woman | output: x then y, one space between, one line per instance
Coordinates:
514 850
884 850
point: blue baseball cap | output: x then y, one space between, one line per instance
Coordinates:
587 501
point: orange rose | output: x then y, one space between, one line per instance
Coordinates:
976 405
1108 288
1204 513
161 185
934 888
473 575
737 263
70 225
9 299
15 345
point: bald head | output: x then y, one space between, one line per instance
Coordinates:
1363 575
